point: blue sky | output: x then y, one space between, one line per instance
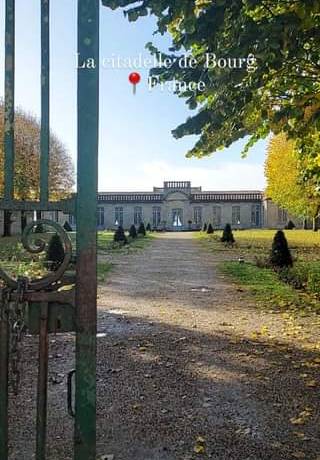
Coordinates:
137 149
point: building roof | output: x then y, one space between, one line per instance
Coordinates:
195 193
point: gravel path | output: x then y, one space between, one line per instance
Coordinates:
188 368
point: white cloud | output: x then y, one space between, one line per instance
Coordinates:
238 175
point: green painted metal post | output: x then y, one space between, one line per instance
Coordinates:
8 197
4 368
86 282
42 391
86 287
9 100
45 103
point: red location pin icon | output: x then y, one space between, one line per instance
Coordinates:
134 79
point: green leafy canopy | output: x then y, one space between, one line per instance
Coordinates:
284 37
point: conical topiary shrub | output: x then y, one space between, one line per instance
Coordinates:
148 228
142 229
39 229
227 235
55 252
209 229
133 232
120 236
290 225
205 227
280 253
67 226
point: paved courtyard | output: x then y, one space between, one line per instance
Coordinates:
182 373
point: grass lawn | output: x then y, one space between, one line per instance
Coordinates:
304 244
254 246
105 243
103 269
106 246
18 262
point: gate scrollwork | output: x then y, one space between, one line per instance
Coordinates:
36 246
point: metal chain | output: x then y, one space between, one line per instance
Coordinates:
17 327
4 303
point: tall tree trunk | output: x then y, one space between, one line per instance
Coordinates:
305 224
7 222
38 215
315 224
315 220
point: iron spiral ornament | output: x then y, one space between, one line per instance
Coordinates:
37 246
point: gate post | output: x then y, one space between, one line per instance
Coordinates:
4 370
8 197
86 287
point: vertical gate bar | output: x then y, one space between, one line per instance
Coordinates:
9 101
86 285
45 102
4 370
42 389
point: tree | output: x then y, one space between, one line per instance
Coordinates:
23 220
133 232
67 226
227 235
277 90
55 252
280 253
290 225
148 228
27 163
209 229
286 183
120 236
205 227
39 229
141 229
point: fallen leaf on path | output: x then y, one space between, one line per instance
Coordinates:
302 417
298 454
142 349
311 384
136 406
300 435
199 449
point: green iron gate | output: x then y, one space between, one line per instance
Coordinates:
49 309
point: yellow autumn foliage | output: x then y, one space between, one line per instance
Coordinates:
27 161
285 183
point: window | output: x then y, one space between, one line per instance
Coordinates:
256 215
118 216
156 216
216 220
197 216
52 215
177 217
137 215
100 217
72 220
236 215
282 216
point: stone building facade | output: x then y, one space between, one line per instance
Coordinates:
177 206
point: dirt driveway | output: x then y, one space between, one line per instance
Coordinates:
180 376
182 373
